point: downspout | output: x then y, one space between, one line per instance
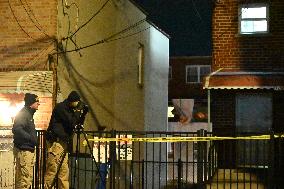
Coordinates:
206 86
54 64
209 110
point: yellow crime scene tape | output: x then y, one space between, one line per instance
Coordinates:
182 139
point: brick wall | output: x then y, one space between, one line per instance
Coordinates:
247 52
178 88
41 117
28 28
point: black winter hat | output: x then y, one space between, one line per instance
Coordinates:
30 99
73 97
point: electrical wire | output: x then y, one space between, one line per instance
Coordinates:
77 15
35 24
94 15
109 39
128 28
196 10
129 35
206 31
30 63
69 6
16 19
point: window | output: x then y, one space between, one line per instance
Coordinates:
195 73
140 65
253 19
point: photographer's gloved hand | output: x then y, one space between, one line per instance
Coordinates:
85 108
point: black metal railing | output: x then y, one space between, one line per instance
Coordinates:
162 165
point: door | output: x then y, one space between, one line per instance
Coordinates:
253 117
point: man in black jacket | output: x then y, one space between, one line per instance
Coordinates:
25 140
64 118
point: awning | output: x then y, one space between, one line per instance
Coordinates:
37 82
241 80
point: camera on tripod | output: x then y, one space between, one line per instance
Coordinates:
83 108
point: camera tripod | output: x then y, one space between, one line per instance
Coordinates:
79 129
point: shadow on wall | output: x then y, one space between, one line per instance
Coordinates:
29 52
73 74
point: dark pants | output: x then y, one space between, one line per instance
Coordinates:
102 176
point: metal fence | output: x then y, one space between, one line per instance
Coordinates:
161 165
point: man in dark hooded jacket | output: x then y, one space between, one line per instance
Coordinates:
25 140
64 118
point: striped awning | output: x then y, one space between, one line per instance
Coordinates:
37 82
237 80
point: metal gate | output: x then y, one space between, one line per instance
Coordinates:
154 165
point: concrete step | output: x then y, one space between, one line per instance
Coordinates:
234 175
235 186
235 179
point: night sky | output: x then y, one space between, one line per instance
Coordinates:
188 22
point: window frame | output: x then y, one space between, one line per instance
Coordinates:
253 5
199 80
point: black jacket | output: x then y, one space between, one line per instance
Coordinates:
25 136
62 123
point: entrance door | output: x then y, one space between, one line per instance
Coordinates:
253 117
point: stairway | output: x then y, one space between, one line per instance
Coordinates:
235 179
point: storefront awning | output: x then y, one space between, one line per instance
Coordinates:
243 80
38 82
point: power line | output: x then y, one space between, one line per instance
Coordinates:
196 10
90 82
31 12
96 13
21 26
128 28
37 56
129 35
108 39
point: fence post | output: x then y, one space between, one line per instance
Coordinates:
112 149
179 173
131 174
271 156
201 149
143 174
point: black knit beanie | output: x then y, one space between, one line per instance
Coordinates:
73 97
30 99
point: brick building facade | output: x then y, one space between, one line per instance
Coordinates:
28 36
186 74
246 63
247 79
179 87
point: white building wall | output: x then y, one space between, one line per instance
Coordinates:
156 81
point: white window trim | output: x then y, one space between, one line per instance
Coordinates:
198 72
253 5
